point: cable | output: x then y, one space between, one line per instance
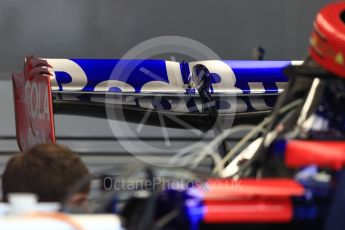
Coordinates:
242 142
283 110
176 157
216 141
214 155
211 147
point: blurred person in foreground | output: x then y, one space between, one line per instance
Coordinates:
47 170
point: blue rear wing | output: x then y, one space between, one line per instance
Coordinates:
160 76
241 90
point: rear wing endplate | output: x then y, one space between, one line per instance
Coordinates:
33 108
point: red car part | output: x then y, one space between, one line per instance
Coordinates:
33 104
327 42
299 153
250 200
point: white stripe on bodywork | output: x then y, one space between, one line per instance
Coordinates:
297 62
256 87
281 86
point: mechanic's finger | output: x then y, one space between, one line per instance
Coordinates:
39 62
40 70
43 75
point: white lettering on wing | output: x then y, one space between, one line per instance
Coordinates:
36 100
79 78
